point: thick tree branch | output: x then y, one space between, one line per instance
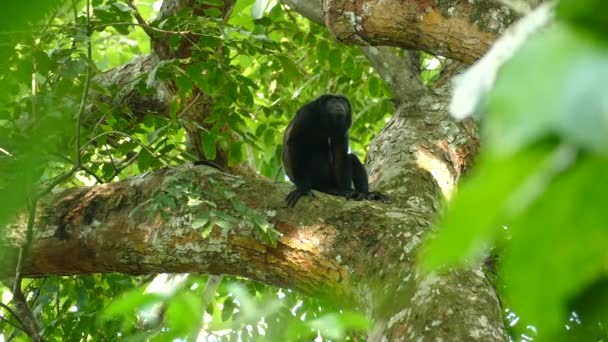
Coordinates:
106 228
460 30
398 72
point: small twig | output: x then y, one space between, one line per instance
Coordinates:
92 174
150 28
24 313
57 181
83 168
38 291
286 10
189 105
9 310
25 247
140 20
105 146
126 136
87 85
57 297
276 175
11 323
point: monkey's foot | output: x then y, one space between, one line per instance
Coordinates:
293 197
376 196
355 195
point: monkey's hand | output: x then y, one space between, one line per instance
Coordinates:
293 197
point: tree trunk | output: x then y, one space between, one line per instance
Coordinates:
361 252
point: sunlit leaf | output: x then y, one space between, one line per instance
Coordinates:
561 94
184 314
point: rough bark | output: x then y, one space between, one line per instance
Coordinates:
461 30
428 152
105 228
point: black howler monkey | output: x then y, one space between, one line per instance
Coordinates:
315 152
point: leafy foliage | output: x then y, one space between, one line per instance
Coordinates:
539 188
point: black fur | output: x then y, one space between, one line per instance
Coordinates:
315 152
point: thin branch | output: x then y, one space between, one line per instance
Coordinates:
9 322
83 168
140 20
57 181
126 136
26 316
57 297
150 28
87 85
92 174
9 310
38 291
105 146
288 11
124 165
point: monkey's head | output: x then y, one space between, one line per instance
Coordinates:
336 111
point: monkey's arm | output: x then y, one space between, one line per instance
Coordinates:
294 158
298 176
341 165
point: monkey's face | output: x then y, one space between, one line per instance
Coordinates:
337 111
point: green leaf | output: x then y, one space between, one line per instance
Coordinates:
561 94
374 86
211 42
335 326
208 141
323 51
184 314
213 12
558 246
224 224
228 308
144 160
235 152
335 59
591 15
201 220
261 222
154 135
260 130
128 303
224 216
247 81
246 96
205 232
270 136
